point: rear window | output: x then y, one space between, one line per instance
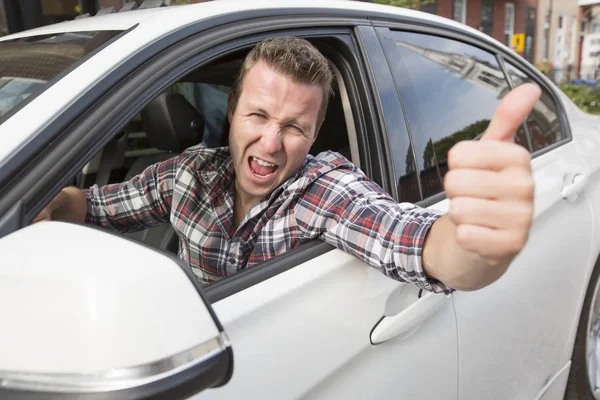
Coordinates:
27 65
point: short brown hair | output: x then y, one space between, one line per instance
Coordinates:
291 56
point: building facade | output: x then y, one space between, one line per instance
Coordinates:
589 39
501 19
551 30
20 15
559 39
117 4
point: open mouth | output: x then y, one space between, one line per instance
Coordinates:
261 168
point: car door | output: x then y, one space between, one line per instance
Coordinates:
302 324
515 335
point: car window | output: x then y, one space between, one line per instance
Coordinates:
138 145
543 122
211 101
132 149
28 64
449 90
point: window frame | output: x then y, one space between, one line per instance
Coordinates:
244 279
395 131
502 54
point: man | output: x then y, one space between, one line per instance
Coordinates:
235 207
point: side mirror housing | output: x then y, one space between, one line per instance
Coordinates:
88 313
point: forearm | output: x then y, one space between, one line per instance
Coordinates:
70 205
445 260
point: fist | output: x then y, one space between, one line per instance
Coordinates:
490 184
44 215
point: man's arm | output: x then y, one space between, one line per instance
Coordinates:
349 211
491 191
141 202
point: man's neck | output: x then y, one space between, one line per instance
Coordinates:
241 206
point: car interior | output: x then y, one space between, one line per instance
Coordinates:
190 112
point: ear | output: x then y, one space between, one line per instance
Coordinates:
230 107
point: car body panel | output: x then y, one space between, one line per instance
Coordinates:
305 334
513 334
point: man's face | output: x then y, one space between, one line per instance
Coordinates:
272 129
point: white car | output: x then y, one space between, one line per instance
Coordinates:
94 314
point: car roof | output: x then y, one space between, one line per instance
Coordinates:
151 25
174 17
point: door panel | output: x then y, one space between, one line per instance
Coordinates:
305 334
516 334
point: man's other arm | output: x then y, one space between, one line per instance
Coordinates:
68 205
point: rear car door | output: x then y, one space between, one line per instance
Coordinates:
515 335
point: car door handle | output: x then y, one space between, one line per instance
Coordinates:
410 317
571 191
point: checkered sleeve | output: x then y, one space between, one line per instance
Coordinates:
141 202
357 216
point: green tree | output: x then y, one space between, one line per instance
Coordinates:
428 155
410 161
584 97
442 146
414 4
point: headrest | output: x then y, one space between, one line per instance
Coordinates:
172 123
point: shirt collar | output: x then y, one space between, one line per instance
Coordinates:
220 175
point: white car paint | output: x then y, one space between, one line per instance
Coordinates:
305 334
512 339
75 328
152 25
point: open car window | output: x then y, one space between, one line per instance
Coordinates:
27 65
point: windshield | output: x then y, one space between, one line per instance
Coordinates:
27 65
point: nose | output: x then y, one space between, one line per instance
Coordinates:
271 138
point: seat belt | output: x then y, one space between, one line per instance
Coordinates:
107 162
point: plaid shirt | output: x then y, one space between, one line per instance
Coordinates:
329 198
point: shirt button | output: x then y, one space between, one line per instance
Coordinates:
232 260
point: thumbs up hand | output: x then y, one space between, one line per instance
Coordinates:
490 184
490 187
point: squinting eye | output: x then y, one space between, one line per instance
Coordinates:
295 129
258 115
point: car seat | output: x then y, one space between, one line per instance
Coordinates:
171 124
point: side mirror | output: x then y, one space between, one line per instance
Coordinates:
89 314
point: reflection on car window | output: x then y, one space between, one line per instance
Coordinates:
14 90
27 64
543 122
450 91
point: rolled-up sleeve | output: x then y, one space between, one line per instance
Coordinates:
141 202
358 217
